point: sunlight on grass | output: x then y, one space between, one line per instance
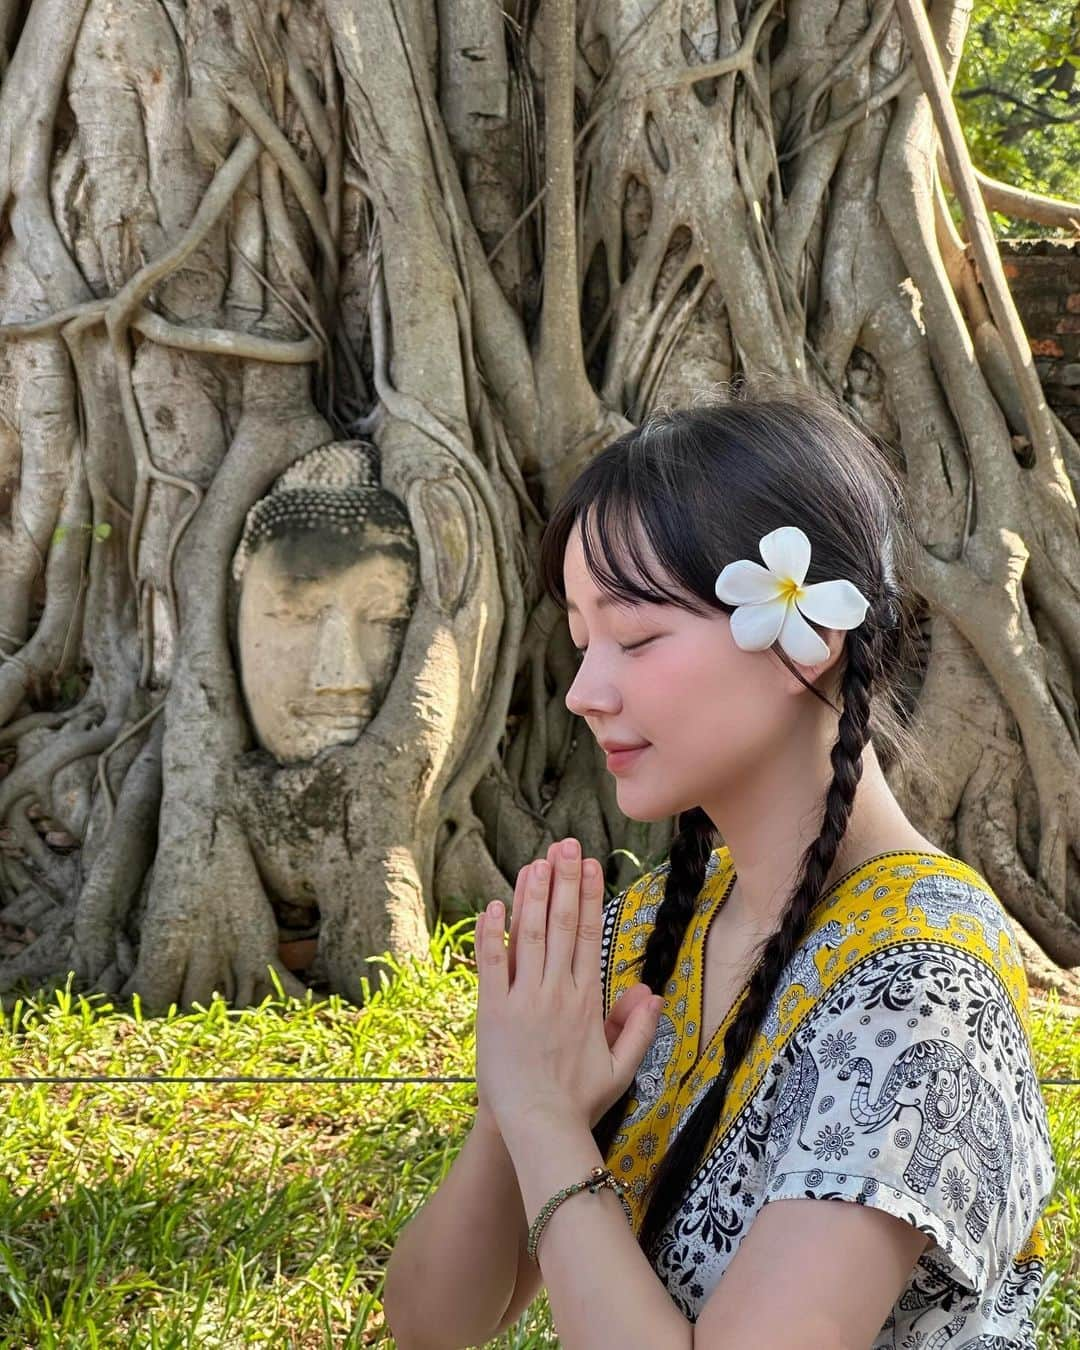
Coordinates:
187 1215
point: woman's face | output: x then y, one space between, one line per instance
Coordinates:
708 711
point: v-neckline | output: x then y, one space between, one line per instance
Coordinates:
702 1051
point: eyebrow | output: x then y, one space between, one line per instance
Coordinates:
603 602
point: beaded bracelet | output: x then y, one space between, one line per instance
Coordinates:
599 1178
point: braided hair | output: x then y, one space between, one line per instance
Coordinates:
704 485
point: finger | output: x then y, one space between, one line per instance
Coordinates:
515 918
620 1014
519 904
629 1050
623 1006
562 927
532 934
491 955
586 965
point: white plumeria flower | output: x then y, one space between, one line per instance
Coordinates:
774 604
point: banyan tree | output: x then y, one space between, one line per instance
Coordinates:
308 312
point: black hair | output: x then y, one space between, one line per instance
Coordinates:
703 485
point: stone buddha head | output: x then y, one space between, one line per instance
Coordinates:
327 571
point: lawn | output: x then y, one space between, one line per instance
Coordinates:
175 1215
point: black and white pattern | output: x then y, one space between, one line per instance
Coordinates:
909 1088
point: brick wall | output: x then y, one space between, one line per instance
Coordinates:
1044 276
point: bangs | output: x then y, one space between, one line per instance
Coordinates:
621 500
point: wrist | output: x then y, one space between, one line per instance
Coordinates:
485 1125
541 1127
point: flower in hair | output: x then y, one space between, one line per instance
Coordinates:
773 604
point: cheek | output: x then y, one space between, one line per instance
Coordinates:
705 702
276 659
379 647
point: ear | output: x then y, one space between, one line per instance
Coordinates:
823 673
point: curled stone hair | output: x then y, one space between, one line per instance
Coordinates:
332 489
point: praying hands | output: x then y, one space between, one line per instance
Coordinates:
544 1050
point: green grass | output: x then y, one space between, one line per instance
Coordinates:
217 1216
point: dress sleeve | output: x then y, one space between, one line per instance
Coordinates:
911 1088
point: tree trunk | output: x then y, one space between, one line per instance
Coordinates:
234 233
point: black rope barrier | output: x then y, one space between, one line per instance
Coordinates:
232 1078
25 1081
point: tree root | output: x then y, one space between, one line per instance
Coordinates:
760 198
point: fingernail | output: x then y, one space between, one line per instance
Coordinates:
543 872
495 909
570 848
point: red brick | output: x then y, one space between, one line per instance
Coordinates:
1047 347
1070 324
1072 304
1010 269
1046 304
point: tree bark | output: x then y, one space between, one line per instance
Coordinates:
489 240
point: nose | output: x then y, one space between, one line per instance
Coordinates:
592 691
338 664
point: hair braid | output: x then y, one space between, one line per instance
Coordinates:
688 859
668 1182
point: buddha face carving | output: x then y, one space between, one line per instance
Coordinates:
328 579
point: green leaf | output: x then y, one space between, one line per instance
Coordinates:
59 533
103 530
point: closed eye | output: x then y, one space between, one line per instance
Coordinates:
633 647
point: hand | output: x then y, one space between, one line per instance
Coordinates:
625 1004
542 1043
484 1116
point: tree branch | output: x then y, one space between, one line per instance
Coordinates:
927 60
1020 204
1040 114
564 390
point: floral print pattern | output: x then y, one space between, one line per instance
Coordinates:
893 1070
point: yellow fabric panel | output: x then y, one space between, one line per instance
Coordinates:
870 906
1034 1249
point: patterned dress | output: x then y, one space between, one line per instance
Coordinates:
893 1069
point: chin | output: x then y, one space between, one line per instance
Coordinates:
649 806
303 752
645 811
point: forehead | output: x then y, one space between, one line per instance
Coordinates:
282 565
580 584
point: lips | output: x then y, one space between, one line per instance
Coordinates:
618 760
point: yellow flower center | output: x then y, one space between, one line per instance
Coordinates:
790 590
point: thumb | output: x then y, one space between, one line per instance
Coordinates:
636 1037
623 1011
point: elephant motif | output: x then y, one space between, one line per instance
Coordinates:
941 898
649 1079
646 915
793 1105
940 1339
801 970
961 1112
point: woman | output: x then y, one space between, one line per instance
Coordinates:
825 1009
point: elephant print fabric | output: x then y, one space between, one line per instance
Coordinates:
892 1069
